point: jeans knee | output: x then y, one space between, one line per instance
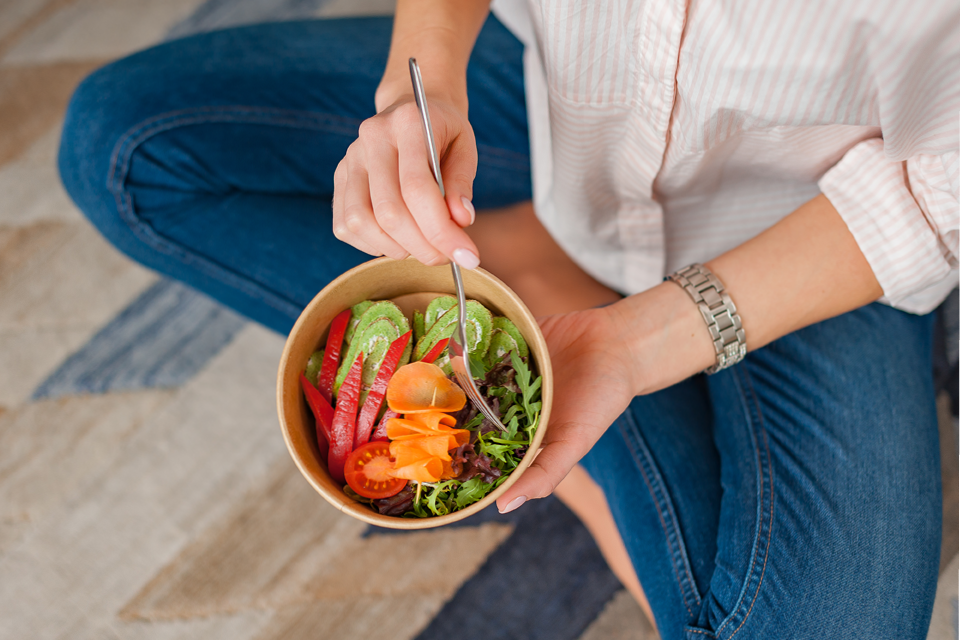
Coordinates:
103 108
86 144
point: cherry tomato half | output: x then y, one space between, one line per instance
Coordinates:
367 471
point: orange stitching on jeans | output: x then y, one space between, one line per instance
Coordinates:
706 633
766 555
663 525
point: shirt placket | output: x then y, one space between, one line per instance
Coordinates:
656 48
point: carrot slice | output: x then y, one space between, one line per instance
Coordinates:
425 470
420 387
412 427
420 445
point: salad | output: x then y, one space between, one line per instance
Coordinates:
393 426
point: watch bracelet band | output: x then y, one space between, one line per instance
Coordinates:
718 311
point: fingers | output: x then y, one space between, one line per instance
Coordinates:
459 167
439 221
551 465
386 200
390 203
590 392
353 220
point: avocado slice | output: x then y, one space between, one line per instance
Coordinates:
314 365
506 338
356 312
419 326
437 308
479 330
380 324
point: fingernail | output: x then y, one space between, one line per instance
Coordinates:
466 259
469 207
516 502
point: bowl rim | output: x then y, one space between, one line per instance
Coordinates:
362 511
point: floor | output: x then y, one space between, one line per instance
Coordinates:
145 491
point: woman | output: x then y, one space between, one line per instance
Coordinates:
805 155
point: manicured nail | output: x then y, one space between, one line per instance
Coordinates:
466 258
469 207
516 502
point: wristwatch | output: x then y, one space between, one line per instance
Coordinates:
718 312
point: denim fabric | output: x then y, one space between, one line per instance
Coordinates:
211 158
795 495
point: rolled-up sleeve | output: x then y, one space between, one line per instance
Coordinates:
905 216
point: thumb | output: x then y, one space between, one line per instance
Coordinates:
552 464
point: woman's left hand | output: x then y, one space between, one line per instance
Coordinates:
602 358
592 386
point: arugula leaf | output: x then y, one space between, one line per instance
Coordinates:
500 451
471 491
512 426
511 414
478 368
435 501
530 391
508 400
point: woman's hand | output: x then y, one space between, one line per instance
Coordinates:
386 201
593 384
601 359
654 339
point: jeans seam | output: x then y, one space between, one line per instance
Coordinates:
671 529
135 136
765 467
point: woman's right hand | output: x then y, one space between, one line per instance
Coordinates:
386 201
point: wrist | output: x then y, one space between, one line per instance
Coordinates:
444 75
664 335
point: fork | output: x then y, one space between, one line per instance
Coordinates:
459 347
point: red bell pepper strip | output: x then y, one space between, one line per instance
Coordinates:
435 351
331 354
371 406
322 413
345 421
381 431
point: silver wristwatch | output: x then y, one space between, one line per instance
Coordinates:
718 312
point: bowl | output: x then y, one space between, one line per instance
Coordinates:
411 285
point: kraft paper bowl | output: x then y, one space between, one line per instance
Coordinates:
411 285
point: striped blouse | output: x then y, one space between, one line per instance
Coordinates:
665 132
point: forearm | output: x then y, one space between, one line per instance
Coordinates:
804 269
440 34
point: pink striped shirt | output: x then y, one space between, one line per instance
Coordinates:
665 132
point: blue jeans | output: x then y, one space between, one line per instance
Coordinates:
796 495
211 158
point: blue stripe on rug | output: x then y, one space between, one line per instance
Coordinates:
161 340
547 581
